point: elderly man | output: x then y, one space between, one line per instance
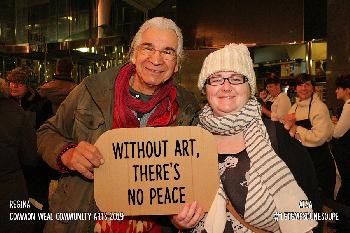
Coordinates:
138 94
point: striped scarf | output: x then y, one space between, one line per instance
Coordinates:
267 171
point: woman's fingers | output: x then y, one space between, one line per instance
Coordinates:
189 216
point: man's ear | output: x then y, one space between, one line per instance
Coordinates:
176 68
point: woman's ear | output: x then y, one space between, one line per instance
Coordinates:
347 91
204 90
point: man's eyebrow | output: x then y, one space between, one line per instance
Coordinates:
170 48
146 43
150 44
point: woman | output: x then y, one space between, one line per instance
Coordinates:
258 184
39 110
309 122
341 141
18 152
23 92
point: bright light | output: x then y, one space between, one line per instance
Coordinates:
83 49
86 49
67 18
250 44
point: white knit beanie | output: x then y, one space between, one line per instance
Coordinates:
233 57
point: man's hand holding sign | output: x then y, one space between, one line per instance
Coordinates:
156 171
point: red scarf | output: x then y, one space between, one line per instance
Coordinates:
123 117
124 104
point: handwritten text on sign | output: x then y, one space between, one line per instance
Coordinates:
155 170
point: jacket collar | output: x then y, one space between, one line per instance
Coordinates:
101 89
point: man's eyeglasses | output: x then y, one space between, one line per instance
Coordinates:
168 54
234 80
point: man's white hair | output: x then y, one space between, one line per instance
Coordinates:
160 23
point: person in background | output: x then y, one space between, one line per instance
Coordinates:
266 100
341 147
139 93
39 109
24 93
61 84
309 122
265 97
18 153
255 182
5 88
281 102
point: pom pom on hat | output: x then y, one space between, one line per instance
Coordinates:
234 58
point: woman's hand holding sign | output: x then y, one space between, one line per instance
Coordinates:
83 158
189 216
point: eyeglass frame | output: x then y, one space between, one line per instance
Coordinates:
148 50
245 79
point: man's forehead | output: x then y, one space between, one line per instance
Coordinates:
159 37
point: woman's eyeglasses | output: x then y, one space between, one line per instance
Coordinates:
234 80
